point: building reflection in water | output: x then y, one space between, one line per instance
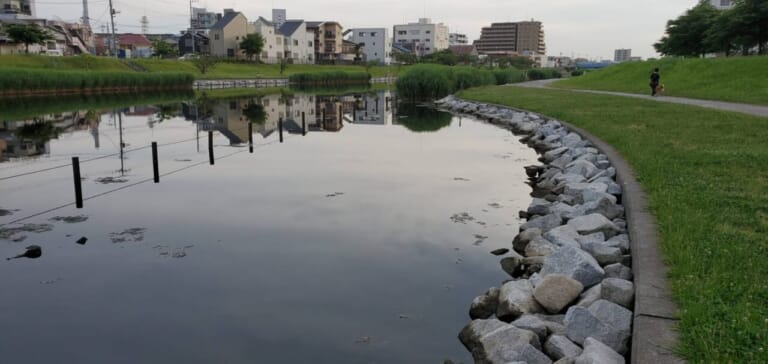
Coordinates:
31 137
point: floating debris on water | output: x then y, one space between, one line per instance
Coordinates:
109 180
335 194
479 239
182 160
70 219
462 179
14 233
51 281
501 251
32 252
82 240
129 235
403 316
462 217
495 205
363 340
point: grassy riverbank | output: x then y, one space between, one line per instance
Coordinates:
735 79
223 70
15 82
706 174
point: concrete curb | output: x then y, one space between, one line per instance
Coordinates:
654 332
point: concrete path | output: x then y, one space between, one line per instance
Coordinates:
756 110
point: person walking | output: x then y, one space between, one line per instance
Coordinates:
655 77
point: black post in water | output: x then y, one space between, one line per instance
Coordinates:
78 184
322 121
354 113
280 125
303 124
341 116
155 166
210 146
250 137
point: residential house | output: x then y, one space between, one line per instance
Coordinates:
298 42
375 42
464 50
226 35
202 43
274 47
133 46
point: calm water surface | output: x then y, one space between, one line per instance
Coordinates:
362 242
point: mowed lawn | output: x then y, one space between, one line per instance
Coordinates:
706 174
734 79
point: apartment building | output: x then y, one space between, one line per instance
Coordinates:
457 39
621 55
328 40
423 37
17 9
274 45
375 42
512 38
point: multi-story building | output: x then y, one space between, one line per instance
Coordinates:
204 19
279 16
457 39
17 9
512 38
621 55
375 42
298 42
328 40
722 4
423 37
226 35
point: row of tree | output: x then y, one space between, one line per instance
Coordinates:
448 58
704 29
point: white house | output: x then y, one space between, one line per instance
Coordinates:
298 42
422 38
274 49
376 43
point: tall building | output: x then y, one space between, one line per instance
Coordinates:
457 39
279 16
422 38
17 9
722 4
376 43
520 38
621 55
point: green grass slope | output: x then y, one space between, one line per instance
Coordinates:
734 79
706 175
75 63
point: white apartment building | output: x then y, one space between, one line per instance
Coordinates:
621 55
298 43
377 45
422 38
722 4
274 49
457 39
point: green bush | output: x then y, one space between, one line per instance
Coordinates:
430 81
577 73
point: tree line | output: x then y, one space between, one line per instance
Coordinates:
703 29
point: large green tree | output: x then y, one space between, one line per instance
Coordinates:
252 45
686 35
750 21
28 34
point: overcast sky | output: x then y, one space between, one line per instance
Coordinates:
585 28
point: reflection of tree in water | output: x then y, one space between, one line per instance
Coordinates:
255 112
167 111
205 106
422 119
38 132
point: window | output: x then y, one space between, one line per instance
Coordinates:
309 43
373 34
429 32
426 40
264 55
399 32
415 32
296 42
216 36
361 34
374 43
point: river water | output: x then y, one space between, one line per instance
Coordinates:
363 241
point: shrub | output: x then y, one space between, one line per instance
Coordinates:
26 80
577 73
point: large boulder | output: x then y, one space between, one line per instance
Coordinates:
603 320
618 291
555 291
558 347
512 264
574 263
515 300
525 237
545 223
564 235
493 341
538 206
605 255
618 270
593 223
588 297
484 306
619 241
596 352
534 324
582 167
539 247
603 206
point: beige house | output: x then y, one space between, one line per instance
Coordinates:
328 40
227 33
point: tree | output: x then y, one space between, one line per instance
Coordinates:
28 34
283 65
519 62
164 50
686 35
252 45
204 63
750 21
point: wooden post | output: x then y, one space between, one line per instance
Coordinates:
78 182
155 166
303 124
280 125
250 137
210 146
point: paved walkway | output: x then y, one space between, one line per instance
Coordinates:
756 110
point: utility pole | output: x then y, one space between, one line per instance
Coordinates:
192 26
113 46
